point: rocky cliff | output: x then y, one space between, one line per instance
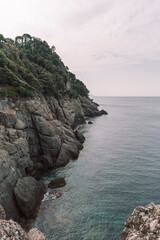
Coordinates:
36 133
143 224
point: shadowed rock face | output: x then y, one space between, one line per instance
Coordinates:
37 134
143 224
29 194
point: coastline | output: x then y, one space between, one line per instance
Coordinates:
37 134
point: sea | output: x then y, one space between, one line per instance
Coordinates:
117 170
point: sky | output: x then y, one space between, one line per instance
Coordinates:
113 46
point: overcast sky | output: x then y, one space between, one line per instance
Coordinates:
113 46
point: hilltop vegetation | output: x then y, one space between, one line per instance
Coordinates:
28 64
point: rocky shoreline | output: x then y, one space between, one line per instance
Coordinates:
37 134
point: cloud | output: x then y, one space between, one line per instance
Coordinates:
90 35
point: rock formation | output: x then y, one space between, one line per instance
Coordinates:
37 133
143 224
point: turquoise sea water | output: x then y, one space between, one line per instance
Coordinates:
118 169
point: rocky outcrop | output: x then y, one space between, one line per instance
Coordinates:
103 112
36 134
143 224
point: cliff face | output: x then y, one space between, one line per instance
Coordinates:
143 224
36 134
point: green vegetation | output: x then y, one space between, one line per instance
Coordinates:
29 64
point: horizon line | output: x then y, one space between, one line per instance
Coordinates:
91 95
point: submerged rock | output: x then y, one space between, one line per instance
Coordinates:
56 194
56 183
143 224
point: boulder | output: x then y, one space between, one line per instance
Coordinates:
35 234
79 136
29 194
56 183
90 122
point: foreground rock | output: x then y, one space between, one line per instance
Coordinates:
143 224
56 183
10 229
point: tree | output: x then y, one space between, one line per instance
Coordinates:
53 48
19 40
2 39
26 38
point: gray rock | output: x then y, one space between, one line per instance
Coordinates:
29 194
56 183
80 136
7 119
64 156
103 112
19 124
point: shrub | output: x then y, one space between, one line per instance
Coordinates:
24 92
2 93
